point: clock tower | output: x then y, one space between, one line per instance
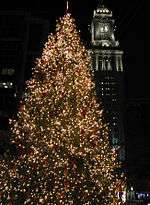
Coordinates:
108 69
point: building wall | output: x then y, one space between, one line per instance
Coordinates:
21 40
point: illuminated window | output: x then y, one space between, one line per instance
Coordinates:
6 84
114 117
106 28
119 63
115 141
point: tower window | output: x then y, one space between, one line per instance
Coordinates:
119 65
102 64
108 64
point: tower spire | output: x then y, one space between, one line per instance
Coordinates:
67 6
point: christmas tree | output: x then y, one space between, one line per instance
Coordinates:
62 144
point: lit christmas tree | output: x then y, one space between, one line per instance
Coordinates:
64 156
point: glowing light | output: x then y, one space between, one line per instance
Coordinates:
62 143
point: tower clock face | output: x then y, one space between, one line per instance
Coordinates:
101 29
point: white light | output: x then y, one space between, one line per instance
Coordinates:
131 188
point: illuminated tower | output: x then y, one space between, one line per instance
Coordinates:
108 67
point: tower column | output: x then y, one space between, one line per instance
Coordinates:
97 61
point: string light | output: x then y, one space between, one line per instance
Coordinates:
64 156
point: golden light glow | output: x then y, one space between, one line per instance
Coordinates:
64 156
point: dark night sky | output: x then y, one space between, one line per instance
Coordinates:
131 19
